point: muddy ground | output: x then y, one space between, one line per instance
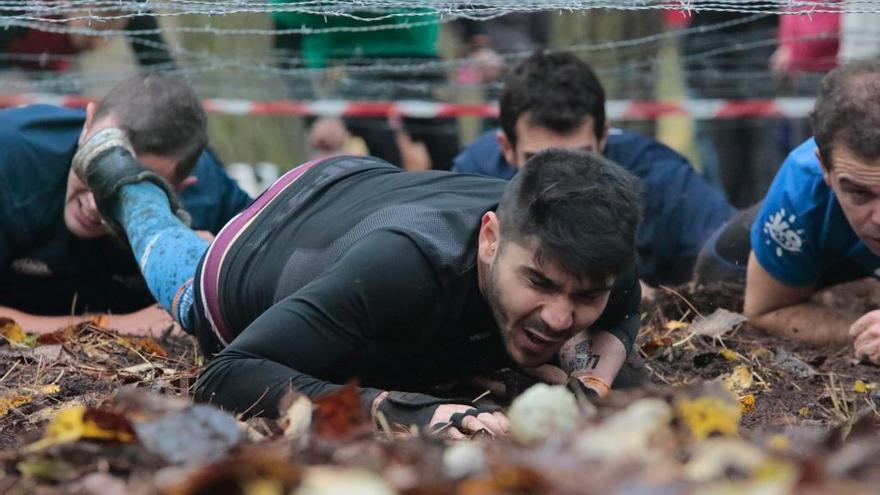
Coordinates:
777 388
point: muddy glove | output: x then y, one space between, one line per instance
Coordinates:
105 163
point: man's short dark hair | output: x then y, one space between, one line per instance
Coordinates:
581 208
557 90
847 111
161 115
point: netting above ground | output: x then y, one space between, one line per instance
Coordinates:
403 8
629 67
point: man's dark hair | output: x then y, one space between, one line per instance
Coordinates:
580 208
161 116
557 90
847 111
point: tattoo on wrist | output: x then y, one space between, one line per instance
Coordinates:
586 361
578 357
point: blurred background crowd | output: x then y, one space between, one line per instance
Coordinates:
645 59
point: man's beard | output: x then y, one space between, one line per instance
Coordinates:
493 298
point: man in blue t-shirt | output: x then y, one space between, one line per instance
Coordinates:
819 224
556 101
59 264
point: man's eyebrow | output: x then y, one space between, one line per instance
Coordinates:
849 183
545 280
537 274
592 291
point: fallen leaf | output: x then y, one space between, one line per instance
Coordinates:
730 355
50 389
245 468
675 325
11 331
706 415
718 323
511 479
861 387
262 486
297 419
739 380
323 480
778 442
62 336
653 346
794 365
81 423
146 345
747 403
625 434
340 416
463 459
12 400
198 434
47 469
805 412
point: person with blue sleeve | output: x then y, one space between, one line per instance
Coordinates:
59 264
555 100
819 224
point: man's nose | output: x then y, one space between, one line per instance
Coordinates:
558 313
875 213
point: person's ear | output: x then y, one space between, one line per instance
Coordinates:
826 167
489 238
603 139
507 148
87 125
188 182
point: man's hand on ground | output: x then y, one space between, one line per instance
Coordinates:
459 421
151 321
866 334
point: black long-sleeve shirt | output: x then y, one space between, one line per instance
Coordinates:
360 270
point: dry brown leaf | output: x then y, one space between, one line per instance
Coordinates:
340 416
147 346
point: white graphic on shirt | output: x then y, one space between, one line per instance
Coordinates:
779 228
30 267
877 273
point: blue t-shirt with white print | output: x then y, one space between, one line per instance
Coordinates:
800 232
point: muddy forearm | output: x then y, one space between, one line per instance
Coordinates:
807 323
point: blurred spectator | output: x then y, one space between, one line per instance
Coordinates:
375 54
36 50
808 46
741 154
509 34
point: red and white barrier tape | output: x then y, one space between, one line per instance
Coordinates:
704 109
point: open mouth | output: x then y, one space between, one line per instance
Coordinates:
535 341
